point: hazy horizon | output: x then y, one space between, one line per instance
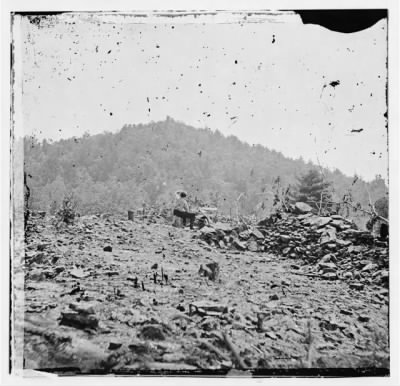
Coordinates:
315 164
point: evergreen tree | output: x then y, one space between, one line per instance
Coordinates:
313 189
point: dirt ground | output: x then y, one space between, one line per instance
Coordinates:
144 307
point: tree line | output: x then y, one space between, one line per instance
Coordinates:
144 164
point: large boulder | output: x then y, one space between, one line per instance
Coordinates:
302 208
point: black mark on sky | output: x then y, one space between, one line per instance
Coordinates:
347 21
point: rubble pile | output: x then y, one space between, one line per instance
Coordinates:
332 245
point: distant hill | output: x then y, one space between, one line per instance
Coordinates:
148 163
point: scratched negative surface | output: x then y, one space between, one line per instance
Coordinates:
275 126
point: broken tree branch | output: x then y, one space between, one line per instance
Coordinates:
357 208
211 347
238 359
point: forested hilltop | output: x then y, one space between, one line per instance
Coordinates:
146 164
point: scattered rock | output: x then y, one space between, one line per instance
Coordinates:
153 332
356 286
329 276
363 318
210 308
369 267
239 245
210 324
328 258
348 275
327 266
111 273
139 347
114 346
38 258
209 270
272 335
343 243
285 239
79 273
108 248
173 357
79 320
244 235
252 246
83 308
141 315
37 275
384 276
257 233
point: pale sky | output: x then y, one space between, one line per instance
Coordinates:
270 80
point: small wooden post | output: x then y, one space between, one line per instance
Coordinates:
130 215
